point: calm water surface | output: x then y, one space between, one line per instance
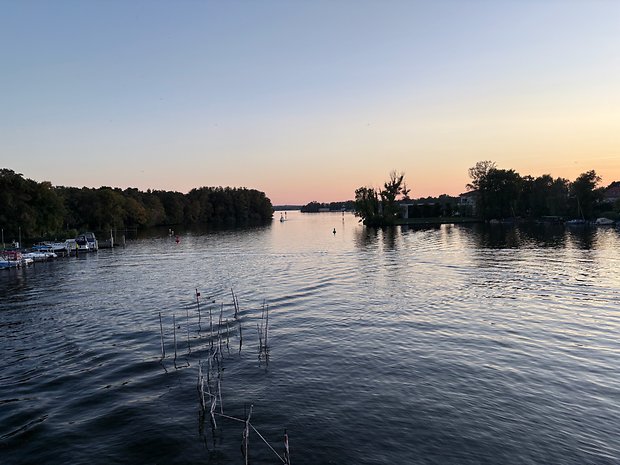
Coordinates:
446 345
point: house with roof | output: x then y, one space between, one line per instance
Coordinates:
612 193
468 203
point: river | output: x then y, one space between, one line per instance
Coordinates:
454 344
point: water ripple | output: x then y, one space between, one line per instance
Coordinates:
451 345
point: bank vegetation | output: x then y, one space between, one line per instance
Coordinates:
39 210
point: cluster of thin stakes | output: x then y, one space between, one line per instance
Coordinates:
210 371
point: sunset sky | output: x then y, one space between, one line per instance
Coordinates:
307 100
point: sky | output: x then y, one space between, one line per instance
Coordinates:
307 100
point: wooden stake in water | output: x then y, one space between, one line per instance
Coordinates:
261 327
201 387
210 326
189 349
219 394
213 404
246 436
161 332
198 305
266 325
260 338
235 302
227 336
287 455
174 335
219 327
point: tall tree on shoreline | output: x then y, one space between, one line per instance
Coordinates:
391 189
478 174
379 208
584 194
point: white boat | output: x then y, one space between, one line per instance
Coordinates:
604 222
86 242
81 244
53 246
39 256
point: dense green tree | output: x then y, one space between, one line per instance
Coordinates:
312 207
478 173
584 194
379 208
391 190
227 206
41 211
367 206
315 207
155 212
547 196
499 191
174 204
28 208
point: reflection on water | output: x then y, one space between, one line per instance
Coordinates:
538 235
452 344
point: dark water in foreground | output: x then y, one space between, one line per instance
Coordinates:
450 345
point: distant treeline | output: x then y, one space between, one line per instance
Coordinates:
315 207
494 193
38 210
501 193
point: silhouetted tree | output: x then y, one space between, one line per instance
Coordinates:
379 208
584 194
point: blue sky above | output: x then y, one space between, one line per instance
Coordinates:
307 100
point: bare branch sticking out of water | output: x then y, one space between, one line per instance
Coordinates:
227 337
174 335
235 303
210 326
189 349
263 334
246 436
266 325
287 454
198 306
201 387
260 338
161 332
219 393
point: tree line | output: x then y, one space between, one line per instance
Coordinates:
39 210
502 193
497 193
315 207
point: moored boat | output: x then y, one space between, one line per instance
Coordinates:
86 242
39 256
10 259
57 247
604 222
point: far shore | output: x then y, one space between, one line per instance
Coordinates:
438 220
